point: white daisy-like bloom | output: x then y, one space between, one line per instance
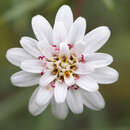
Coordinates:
64 63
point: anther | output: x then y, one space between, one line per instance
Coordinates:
70 46
72 86
67 74
82 58
52 84
56 48
76 88
55 65
53 45
41 57
42 73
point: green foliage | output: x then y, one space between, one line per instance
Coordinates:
22 8
110 4
13 104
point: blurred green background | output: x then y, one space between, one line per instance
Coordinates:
15 19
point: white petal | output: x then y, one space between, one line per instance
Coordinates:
42 28
64 50
105 75
77 31
30 45
44 95
50 65
60 92
87 83
79 48
33 107
92 100
59 110
74 101
24 79
70 80
84 68
59 33
98 60
96 38
47 78
17 55
65 15
32 66
45 48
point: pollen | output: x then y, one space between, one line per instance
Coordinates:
67 74
54 72
64 59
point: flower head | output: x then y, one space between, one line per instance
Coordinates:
64 63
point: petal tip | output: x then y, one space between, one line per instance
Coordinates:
65 6
7 54
81 20
116 75
106 30
36 17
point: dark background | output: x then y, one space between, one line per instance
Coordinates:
15 22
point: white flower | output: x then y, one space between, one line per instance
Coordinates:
65 64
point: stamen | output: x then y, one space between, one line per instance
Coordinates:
76 76
70 87
70 46
42 73
82 58
53 45
44 63
61 78
73 67
64 58
76 88
41 57
54 65
67 74
52 84
56 48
